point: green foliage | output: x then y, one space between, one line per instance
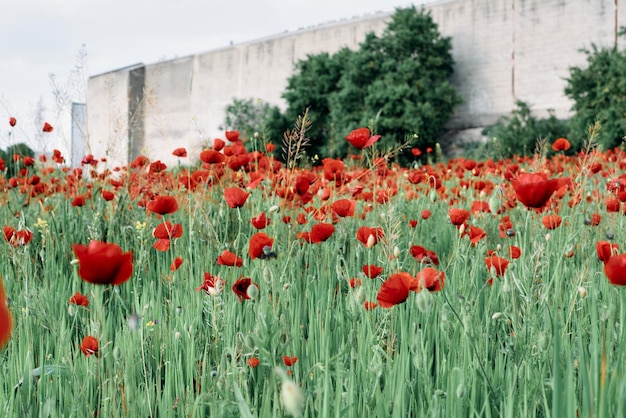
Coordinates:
13 167
519 133
248 116
396 83
599 94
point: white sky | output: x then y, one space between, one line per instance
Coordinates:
43 37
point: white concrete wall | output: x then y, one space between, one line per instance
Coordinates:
503 49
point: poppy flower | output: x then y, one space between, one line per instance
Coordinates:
416 152
426 214
594 219
561 144
253 362
12 121
476 234
372 271
395 289
534 189
163 205
240 288
108 195
423 255
361 138
235 197
606 250
333 169
258 244
269 147
17 238
212 156
431 279
178 261
515 252
103 263
212 285
344 207
157 167
413 223
6 319
260 221
551 221
89 346
364 233
218 144
79 201
167 230
289 361
232 136
319 233
369 305
79 299
180 152
496 264
227 258
354 282
47 127
458 216
615 270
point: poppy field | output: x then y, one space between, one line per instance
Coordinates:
242 286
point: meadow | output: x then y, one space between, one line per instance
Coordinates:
240 286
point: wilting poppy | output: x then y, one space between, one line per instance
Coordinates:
180 152
228 258
289 361
212 285
17 238
12 121
534 189
361 138
395 289
364 233
47 127
79 299
372 271
89 346
235 197
606 250
561 144
103 263
6 319
496 264
178 261
260 221
240 288
458 216
259 243
163 205
615 270
431 279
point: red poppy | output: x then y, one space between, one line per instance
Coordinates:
260 243
354 282
333 169
17 238
551 221
595 219
103 263
514 252
561 144
496 264
212 156
6 319
167 230
269 147
416 152
615 270
364 233
12 121
108 195
89 346
426 214
79 299
178 261
232 136
476 234
235 197
290 361
344 207
241 287
395 289
423 255
534 189
47 127
260 221
227 258
218 144
372 271
361 138
79 201
180 152
369 305
253 362
458 216
319 233
157 167
163 205
413 223
606 250
431 279
212 285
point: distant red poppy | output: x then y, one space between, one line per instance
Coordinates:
354 282
615 270
228 258
561 144
344 207
157 167
180 152
12 121
458 216
232 136
364 233
372 271
212 285
595 219
426 214
395 289
551 221
6 319
413 223
514 252
496 264
260 221
212 156
178 261
259 244
108 195
79 299
253 362
361 138
369 305
103 263
240 288
423 255
289 361
89 346
416 152
606 250
319 233
78 201
163 205
235 197
47 127
534 189
269 147
431 279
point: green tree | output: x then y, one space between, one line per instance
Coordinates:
12 167
248 116
599 94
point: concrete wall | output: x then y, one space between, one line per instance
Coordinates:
504 50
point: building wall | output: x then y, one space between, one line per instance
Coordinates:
504 50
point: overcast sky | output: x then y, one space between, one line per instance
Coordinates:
43 37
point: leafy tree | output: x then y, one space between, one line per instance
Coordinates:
248 116
519 133
599 94
12 167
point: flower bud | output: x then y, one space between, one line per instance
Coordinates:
496 316
253 291
371 241
291 398
582 292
